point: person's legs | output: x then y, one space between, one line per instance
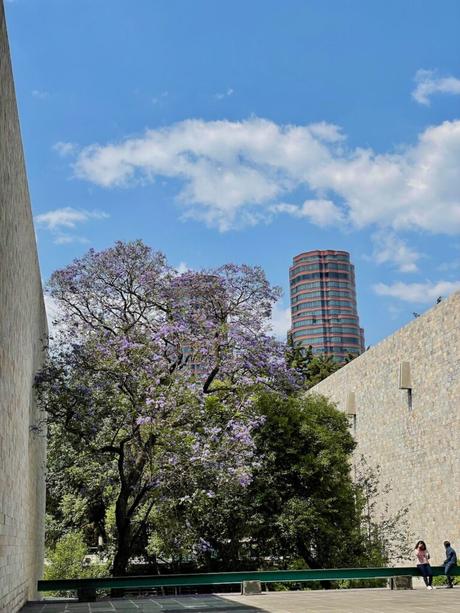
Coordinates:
430 575
423 569
447 570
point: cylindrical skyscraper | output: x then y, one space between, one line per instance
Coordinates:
323 303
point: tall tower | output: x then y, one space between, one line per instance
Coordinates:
323 303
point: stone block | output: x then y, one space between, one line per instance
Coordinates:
251 588
401 583
86 594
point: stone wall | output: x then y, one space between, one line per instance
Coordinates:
416 442
22 334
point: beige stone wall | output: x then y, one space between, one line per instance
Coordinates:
22 333
417 448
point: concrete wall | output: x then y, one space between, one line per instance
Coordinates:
418 447
22 332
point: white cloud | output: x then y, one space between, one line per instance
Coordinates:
232 173
182 267
65 149
328 132
428 83
66 218
449 266
426 292
67 239
280 321
319 212
392 249
220 96
40 94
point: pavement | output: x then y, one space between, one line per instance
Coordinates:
324 601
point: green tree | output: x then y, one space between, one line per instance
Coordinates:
320 367
304 496
299 357
301 502
302 508
68 559
151 370
310 368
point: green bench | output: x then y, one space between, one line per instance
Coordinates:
86 588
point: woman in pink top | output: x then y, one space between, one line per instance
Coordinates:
422 557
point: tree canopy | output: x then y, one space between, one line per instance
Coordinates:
151 371
179 430
300 504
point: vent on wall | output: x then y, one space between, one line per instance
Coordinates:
404 376
350 409
405 382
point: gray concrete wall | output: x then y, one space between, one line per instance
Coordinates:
418 447
22 333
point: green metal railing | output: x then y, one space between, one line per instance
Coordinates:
264 576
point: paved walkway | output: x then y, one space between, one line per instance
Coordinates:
340 601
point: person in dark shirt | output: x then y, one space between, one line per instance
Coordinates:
449 562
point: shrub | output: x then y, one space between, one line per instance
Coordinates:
68 560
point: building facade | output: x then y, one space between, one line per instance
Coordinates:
403 399
23 332
323 304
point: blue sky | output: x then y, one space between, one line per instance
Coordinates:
248 132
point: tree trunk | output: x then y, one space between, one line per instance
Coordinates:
121 559
123 525
122 555
124 511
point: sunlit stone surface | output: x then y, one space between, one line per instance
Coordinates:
22 332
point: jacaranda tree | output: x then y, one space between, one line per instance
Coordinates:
150 371
300 506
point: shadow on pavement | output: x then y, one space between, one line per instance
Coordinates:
171 604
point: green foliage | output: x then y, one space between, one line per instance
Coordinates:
303 494
347 584
301 510
68 560
441 581
311 369
151 371
320 367
300 504
298 357
278 586
80 486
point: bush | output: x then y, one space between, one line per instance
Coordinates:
442 581
67 560
351 584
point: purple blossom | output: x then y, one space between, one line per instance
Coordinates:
145 339
244 479
143 421
203 546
